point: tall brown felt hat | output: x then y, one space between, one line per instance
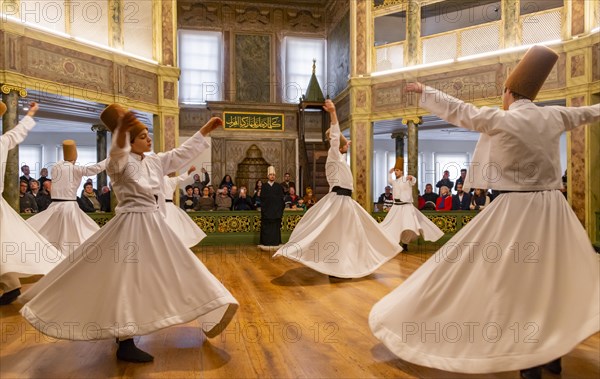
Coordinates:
110 117
2 109
69 150
343 140
531 72
399 164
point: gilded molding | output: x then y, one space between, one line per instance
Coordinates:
7 88
417 120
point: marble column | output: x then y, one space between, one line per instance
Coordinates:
510 20
413 151
360 37
413 54
101 148
361 154
115 23
10 97
399 138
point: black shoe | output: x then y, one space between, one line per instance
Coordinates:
554 367
10 296
405 247
128 352
532 373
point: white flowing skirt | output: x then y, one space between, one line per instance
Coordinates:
338 237
24 251
406 223
64 225
133 277
187 231
517 287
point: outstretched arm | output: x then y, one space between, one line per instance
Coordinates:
18 134
455 111
174 159
334 131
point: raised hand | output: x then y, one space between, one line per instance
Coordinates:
191 169
33 108
329 106
415 87
211 125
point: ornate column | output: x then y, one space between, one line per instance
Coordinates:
413 150
510 18
10 97
413 34
360 35
115 24
361 157
399 138
101 147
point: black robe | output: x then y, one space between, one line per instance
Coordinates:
271 213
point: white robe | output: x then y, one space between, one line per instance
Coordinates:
64 224
186 229
336 236
24 251
404 222
134 276
519 285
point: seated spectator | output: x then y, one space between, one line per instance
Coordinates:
201 184
34 187
44 197
88 202
206 202
242 202
27 202
187 202
445 181
444 202
309 199
300 206
211 191
104 199
462 200
429 195
25 177
43 176
421 201
479 200
291 199
386 199
256 198
89 180
287 183
226 181
257 186
223 201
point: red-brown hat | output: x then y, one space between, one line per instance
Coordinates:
399 164
110 117
69 150
528 77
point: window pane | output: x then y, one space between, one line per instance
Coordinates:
299 55
201 66
31 155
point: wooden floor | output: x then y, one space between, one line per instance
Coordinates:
292 322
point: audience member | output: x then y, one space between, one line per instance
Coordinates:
223 202
242 202
290 199
44 197
206 202
43 176
27 202
444 201
445 181
309 198
25 177
386 199
462 200
287 183
104 199
187 202
226 181
88 202
479 200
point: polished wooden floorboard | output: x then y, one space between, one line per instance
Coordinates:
292 323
